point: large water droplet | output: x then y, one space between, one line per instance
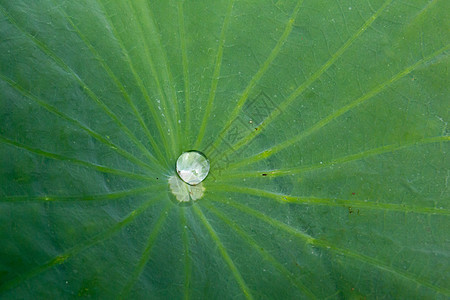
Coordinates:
192 167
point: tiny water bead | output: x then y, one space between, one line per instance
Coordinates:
192 167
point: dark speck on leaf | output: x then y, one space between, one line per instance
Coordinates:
264 174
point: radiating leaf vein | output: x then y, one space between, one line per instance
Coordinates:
299 90
237 275
118 84
89 131
86 88
147 252
187 99
329 246
337 161
233 225
328 119
96 197
63 257
215 77
329 201
186 254
262 70
72 160
150 20
136 76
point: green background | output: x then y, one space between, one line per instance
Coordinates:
326 124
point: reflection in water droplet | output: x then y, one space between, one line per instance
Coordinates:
185 192
192 167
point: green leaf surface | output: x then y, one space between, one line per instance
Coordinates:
325 123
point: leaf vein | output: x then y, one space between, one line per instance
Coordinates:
89 131
86 88
323 122
118 84
329 246
146 254
330 201
283 270
63 158
224 253
63 257
215 77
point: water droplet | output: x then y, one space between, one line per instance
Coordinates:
192 167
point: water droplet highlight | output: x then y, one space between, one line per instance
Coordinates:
192 167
